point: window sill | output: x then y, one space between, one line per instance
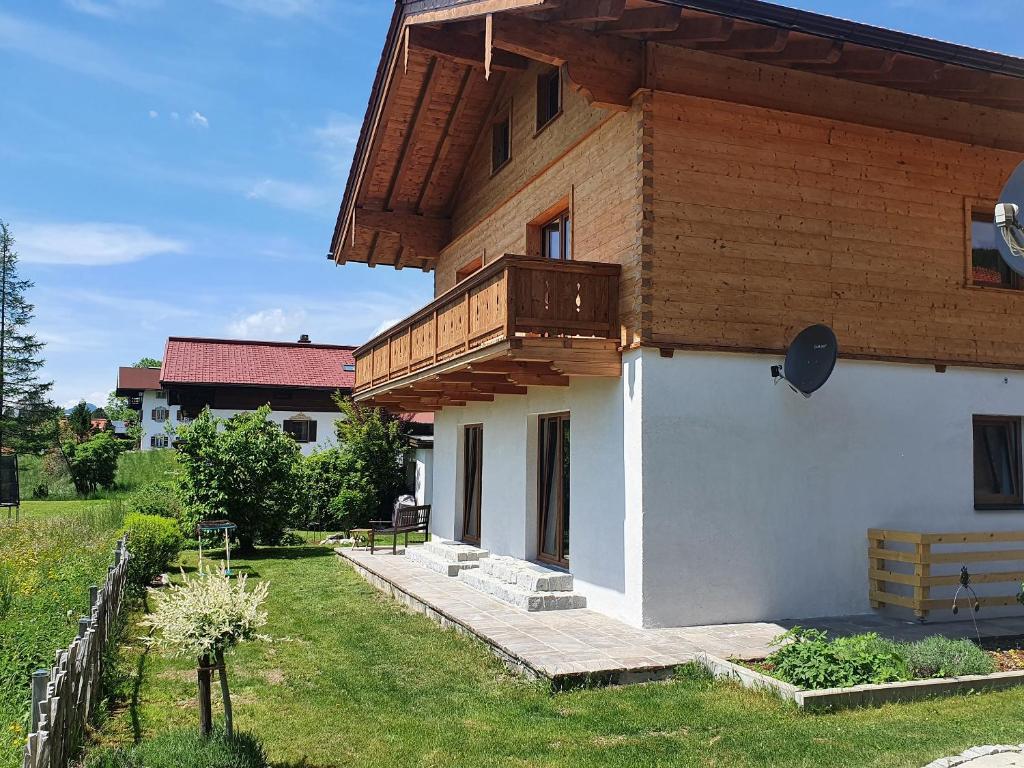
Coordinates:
500 168
999 507
542 128
994 289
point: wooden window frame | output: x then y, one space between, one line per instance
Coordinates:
561 99
161 394
466 535
306 438
502 116
163 440
153 416
974 207
999 502
535 227
560 562
469 269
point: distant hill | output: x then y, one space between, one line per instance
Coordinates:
90 406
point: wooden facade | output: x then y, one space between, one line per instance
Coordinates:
749 176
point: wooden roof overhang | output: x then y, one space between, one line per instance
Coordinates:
445 59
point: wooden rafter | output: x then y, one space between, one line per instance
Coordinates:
419 116
607 69
853 62
425 235
645 20
461 48
699 29
814 51
744 41
444 148
588 11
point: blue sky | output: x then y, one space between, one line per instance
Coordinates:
174 167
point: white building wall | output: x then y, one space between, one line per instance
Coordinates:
423 462
603 453
326 437
150 426
757 501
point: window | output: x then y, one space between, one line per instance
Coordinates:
472 473
468 269
553 489
556 238
987 266
182 416
161 394
301 430
158 441
501 141
349 367
549 96
997 462
160 414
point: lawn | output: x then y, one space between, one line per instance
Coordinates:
352 679
47 563
134 469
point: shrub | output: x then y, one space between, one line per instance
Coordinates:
323 476
244 469
154 543
93 462
939 656
185 749
812 661
372 443
41 491
158 498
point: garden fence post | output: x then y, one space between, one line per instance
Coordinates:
40 679
205 696
83 627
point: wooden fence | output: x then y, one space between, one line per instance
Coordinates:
914 554
64 697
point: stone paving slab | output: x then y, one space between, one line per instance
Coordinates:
582 643
995 756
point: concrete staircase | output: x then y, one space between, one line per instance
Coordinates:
449 558
524 585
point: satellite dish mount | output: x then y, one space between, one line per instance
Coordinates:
1008 222
810 360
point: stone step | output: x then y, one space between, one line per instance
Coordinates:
528 576
513 594
424 558
454 551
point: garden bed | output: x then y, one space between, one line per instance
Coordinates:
808 667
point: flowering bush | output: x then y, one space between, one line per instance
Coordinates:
207 614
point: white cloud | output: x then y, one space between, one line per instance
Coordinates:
270 324
278 8
91 243
198 118
153 114
110 9
292 195
336 142
175 115
384 326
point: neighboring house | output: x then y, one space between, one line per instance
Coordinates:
689 184
298 381
142 388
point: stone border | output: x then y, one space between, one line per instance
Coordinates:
975 753
859 695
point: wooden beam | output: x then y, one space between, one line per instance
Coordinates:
699 29
589 11
818 51
509 366
412 132
462 48
645 20
608 70
856 62
371 259
424 235
743 41
445 147
906 71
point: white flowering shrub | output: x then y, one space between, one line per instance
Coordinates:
207 614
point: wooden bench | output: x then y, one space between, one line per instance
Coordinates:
404 520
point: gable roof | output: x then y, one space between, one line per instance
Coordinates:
430 100
137 380
257 364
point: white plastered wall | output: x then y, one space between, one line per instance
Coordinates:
325 436
757 501
605 528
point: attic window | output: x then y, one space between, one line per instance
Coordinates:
501 141
549 96
987 267
349 368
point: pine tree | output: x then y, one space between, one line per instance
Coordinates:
27 415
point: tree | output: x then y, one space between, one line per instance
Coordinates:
244 469
27 416
372 443
93 463
80 420
117 409
148 362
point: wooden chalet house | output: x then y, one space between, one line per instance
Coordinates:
630 208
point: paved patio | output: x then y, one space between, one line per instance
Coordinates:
582 645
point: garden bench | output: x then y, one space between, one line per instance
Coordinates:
406 519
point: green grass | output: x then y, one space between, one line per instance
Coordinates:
134 469
47 563
354 680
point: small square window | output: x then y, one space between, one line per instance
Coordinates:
161 414
158 441
501 142
987 267
549 96
997 462
301 430
161 394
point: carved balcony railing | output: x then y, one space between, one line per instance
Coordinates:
512 297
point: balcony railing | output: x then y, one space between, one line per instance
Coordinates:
512 296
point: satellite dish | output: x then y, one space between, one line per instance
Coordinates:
810 360
1008 220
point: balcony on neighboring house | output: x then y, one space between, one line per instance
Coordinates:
518 321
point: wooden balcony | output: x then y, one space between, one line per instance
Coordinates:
519 321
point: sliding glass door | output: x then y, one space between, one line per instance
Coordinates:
553 491
472 472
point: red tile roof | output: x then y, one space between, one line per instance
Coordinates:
257 363
137 379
